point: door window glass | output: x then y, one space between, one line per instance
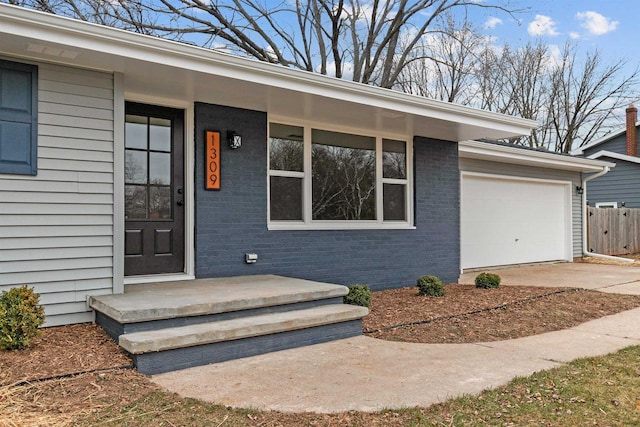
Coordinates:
148 168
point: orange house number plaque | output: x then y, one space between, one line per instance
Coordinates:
212 174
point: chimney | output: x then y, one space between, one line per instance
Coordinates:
632 140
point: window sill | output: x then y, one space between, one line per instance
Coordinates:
340 226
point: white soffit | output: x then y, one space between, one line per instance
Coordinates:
519 156
171 70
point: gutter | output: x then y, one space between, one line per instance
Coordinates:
585 251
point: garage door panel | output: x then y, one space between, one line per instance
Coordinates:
507 221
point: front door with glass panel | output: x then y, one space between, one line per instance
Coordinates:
154 194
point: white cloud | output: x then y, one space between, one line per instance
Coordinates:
347 69
595 23
492 22
574 35
554 56
542 26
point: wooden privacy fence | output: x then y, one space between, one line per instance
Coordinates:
613 231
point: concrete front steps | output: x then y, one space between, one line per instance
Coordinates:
176 325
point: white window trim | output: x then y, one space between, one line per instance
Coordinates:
307 223
613 205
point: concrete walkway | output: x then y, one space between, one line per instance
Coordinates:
367 374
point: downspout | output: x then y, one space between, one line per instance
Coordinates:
585 251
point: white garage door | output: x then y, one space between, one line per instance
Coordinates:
512 221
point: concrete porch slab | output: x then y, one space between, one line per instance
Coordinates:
167 300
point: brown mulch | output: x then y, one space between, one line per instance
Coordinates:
467 314
62 350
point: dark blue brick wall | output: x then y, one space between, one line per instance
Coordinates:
233 221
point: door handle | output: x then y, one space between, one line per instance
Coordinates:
179 203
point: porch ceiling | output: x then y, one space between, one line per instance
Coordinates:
167 70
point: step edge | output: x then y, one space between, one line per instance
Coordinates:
234 333
147 315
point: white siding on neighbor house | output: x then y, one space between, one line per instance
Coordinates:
483 166
56 228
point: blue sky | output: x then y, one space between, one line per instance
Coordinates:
608 25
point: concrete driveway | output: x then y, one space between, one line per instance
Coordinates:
605 278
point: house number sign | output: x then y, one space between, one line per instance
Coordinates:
212 163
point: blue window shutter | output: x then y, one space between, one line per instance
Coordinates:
18 118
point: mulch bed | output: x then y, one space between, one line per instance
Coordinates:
467 314
64 350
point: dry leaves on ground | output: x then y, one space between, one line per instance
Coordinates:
62 351
468 314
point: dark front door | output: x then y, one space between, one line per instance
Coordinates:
154 190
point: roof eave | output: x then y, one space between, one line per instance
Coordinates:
29 23
514 155
614 155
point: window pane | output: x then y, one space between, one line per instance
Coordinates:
286 147
394 202
135 167
159 202
159 134
285 198
160 168
135 201
135 132
394 159
343 175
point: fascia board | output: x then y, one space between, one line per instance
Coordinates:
498 153
112 41
613 155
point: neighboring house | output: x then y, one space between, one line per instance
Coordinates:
105 160
621 186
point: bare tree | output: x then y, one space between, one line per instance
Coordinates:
572 99
370 41
517 81
584 96
411 45
446 64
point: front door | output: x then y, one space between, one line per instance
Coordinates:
154 190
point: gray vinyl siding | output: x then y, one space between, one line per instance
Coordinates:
621 184
482 166
616 145
56 228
